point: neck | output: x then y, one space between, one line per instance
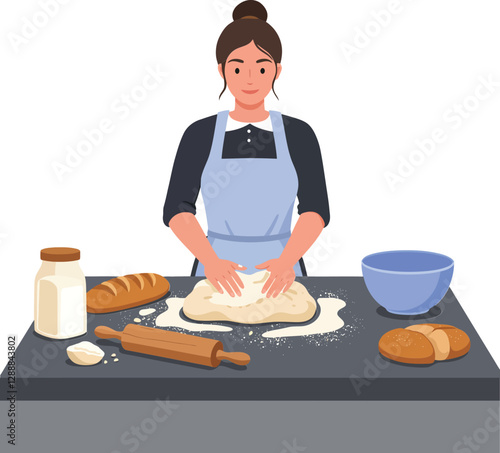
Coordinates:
249 112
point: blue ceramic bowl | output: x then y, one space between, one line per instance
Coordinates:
407 282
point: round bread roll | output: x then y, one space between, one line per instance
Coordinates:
406 346
424 343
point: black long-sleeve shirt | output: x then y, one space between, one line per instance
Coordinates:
194 150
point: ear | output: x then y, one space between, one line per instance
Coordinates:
220 70
278 70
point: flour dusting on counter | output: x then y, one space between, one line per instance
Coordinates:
172 318
147 311
327 321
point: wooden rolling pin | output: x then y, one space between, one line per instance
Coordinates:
172 345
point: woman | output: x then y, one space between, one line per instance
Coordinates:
250 164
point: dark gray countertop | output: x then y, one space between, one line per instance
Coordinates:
344 365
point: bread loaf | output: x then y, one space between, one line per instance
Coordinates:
125 292
424 343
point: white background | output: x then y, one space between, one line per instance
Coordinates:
367 112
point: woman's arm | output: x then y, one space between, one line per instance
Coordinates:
218 271
306 231
185 179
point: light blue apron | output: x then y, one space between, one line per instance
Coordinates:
249 201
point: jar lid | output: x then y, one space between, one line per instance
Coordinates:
60 254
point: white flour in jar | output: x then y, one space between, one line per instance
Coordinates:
61 309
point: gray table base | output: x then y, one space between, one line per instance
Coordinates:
256 426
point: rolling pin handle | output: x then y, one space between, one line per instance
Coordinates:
238 358
107 332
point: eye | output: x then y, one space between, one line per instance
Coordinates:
237 70
262 70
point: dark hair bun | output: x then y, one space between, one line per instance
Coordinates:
250 8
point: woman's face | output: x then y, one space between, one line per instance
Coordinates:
250 73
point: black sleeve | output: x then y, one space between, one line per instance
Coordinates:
189 163
306 157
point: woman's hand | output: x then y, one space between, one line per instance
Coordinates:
281 276
223 273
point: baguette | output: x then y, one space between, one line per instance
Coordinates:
125 292
424 343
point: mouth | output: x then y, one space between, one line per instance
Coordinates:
249 91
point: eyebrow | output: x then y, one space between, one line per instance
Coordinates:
258 61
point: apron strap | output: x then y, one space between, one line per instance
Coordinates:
219 132
278 133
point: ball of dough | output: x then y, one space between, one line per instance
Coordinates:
205 303
85 353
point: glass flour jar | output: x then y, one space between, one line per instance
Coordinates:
60 294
